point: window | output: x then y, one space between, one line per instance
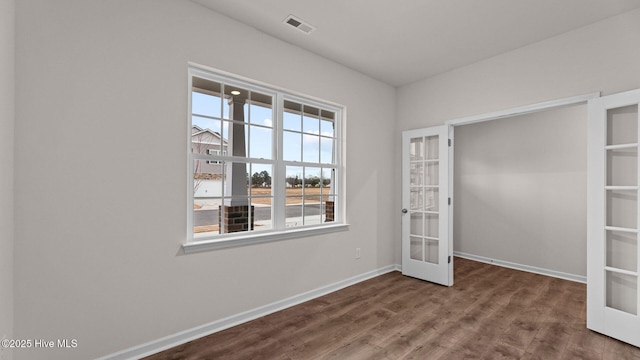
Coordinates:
215 152
263 162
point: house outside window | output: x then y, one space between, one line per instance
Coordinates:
262 161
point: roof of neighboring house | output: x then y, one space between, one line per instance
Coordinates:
198 131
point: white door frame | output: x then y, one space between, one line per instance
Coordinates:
522 110
503 114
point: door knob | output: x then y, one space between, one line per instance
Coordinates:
404 211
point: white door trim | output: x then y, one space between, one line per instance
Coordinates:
527 109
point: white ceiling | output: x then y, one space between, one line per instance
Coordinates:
402 41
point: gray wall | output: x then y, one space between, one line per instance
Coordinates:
103 265
520 186
598 57
7 116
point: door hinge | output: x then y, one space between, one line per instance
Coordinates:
449 142
449 260
449 201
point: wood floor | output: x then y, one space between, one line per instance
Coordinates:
490 313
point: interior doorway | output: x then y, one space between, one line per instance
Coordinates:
520 185
514 186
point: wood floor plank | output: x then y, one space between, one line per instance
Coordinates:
550 342
614 349
585 343
500 350
490 313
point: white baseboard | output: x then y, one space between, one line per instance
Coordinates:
222 324
532 269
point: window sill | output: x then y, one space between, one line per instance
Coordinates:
208 245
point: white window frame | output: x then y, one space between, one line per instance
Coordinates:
279 231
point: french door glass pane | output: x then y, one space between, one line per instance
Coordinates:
431 173
432 199
416 201
423 250
416 227
431 147
622 209
622 167
416 250
431 225
621 248
417 174
622 292
416 149
431 251
622 125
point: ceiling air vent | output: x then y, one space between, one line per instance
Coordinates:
299 24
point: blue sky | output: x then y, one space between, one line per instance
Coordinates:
301 140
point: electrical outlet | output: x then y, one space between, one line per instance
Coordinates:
357 253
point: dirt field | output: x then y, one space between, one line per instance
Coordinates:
294 195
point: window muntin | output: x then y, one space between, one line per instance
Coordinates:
270 154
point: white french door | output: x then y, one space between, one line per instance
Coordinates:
613 255
426 245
